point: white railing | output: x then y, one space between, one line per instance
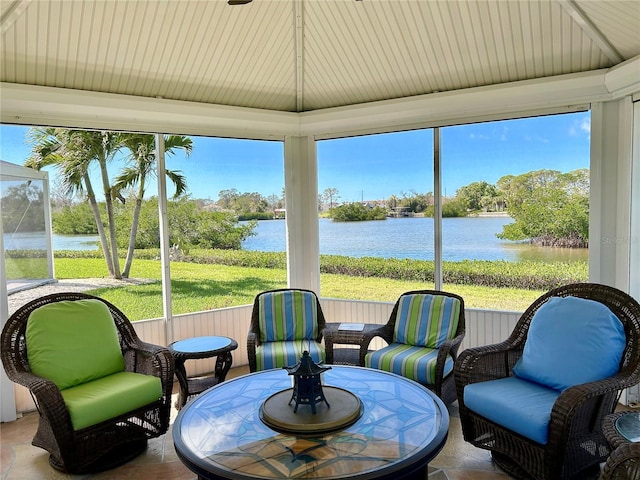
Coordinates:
483 327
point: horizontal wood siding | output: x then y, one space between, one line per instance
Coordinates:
486 327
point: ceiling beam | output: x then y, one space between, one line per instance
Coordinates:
12 13
588 27
33 105
299 49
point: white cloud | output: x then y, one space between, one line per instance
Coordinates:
535 138
583 127
474 136
503 136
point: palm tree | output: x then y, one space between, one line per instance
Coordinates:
72 152
142 166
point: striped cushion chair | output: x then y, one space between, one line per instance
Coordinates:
285 323
424 332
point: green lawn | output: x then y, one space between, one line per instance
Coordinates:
197 287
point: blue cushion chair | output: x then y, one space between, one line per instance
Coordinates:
101 392
423 333
537 400
285 323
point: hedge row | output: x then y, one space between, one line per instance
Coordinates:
527 275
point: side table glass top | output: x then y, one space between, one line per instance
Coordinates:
628 425
220 434
200 344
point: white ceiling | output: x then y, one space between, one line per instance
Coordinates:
305 55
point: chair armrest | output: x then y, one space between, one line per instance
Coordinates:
362 338
328 334
49 402
449 347
383 331
584 406
482 364
151 359
252 342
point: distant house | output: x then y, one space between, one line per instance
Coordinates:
279 213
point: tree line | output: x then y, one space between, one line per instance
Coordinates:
549 208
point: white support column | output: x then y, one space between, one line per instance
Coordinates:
7 390
301 194
48 229
165 259
634 254
610 215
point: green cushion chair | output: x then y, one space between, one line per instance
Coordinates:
101 392
423 333
285 323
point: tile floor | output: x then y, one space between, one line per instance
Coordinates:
19 460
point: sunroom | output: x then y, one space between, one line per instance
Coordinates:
303 71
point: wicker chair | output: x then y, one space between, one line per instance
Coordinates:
576 442
624 461
443 385
106 444
256 337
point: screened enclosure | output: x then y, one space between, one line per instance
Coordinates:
26 227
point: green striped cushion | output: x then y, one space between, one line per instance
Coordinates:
426 320
286 354
416 363
287 316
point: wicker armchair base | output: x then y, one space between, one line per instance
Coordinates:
120 455
102 446
508 465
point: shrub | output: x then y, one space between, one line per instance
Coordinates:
527 275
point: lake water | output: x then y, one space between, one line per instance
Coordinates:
472 238
37 241
463 239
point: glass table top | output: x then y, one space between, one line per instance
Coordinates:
220 434
628 425
200 344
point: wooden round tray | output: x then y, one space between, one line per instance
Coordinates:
345 409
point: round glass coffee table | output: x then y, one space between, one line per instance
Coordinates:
220 435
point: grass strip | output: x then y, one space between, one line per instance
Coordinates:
198 287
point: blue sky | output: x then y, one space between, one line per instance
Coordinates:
375 166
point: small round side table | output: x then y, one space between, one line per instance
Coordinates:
622 431
196 348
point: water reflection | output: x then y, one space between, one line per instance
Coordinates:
533 253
